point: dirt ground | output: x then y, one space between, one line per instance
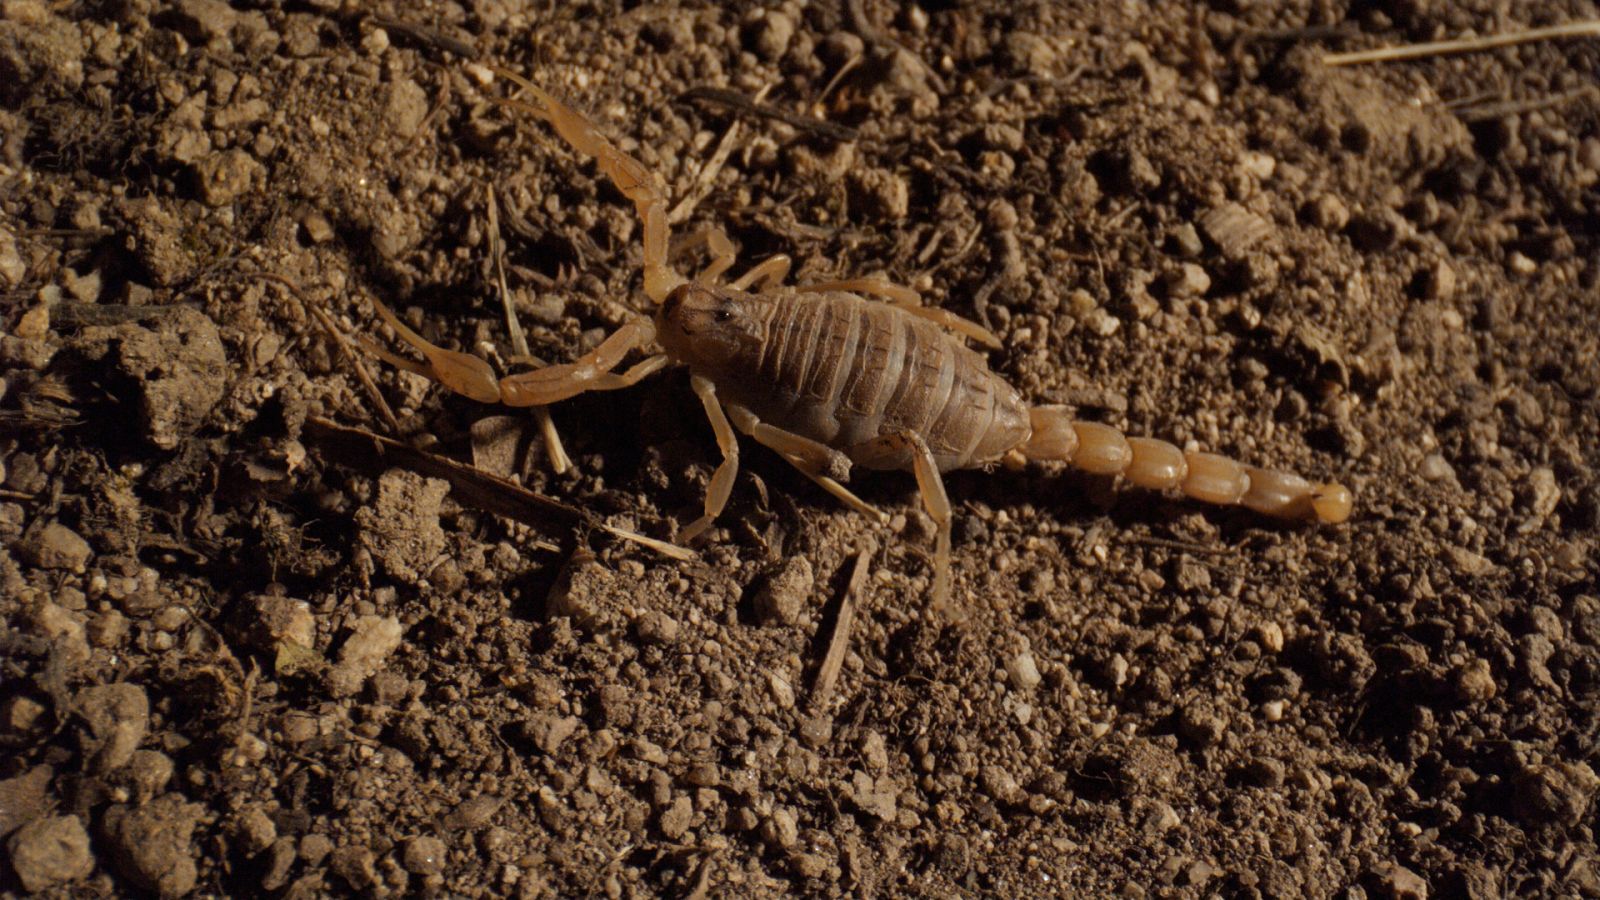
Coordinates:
251 649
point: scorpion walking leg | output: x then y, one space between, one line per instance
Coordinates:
630 176
819 462
898 444
721 480
718 244
905 298
768 272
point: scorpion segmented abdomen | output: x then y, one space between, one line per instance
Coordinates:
845 371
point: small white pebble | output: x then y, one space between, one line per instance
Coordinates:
1436 468
1023 671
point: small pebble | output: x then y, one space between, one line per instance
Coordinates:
34 324
782 599
227 176
1396 882
1329 213
1555 793
148 773
1436 468
152 843
373 639
12 267
656 627
1186 241
837 49
998 783
1139 175
767 34
550 732
782 690
1026 53
356 865
675 819
405 107
1439 283
1186 281
315 847
473 812
1264 772
317 227
49 852
424 855
118 716
1474 681
1540 493
780 830
816 731
256 830
1200 724
1023 671
55 546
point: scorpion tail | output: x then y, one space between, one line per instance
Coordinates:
1158 465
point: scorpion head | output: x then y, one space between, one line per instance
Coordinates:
705 325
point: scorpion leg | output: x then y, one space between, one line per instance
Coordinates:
630 176
768 272
472 377
721 480
819 462
898 295
718 244
898 445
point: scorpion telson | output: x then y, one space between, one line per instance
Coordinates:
830 379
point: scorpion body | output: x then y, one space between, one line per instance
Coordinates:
829 378
842 370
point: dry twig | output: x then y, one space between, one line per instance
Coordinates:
476 487
1589 28
839 641
559 461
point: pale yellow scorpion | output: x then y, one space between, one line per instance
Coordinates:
829 379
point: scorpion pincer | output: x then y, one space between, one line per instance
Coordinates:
840 374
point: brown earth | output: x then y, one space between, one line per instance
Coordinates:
248 653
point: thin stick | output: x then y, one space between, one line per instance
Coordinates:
742 103
559 460
497 252
849 66
1482 111
839 641
343 343
1589 28
473 486
708 174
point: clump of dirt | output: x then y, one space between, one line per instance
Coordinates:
265 636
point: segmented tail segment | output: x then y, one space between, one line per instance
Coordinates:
1158 465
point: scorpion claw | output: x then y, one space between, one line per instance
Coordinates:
463 373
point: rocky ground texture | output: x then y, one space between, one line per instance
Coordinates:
248 648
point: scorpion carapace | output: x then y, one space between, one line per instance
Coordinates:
829 379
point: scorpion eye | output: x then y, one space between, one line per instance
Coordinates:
723 315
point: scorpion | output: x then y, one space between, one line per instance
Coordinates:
835 374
